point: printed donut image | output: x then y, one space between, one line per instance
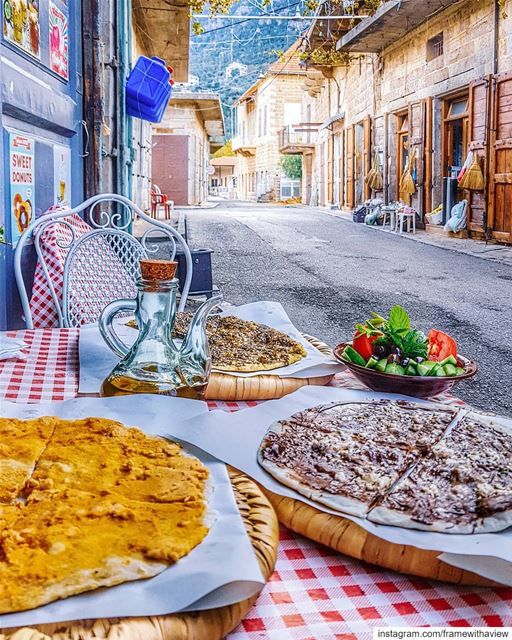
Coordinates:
22 212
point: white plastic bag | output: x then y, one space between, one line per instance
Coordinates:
458 217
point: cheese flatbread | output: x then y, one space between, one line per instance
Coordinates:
103 505
21 444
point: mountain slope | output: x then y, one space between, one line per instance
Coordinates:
230 54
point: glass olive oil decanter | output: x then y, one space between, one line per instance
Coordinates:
154 364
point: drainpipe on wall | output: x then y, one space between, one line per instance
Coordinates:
488 122
93 97
124 168
495 45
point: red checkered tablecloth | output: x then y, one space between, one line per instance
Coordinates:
315 593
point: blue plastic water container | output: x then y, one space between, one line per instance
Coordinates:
144 112
148 89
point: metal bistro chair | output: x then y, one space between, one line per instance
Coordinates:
102 264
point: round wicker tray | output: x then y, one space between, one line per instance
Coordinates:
349 538
213 624
263 387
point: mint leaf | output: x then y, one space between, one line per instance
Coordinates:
377 320
399 319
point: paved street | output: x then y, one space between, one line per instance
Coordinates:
329 273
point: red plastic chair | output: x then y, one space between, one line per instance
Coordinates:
159 199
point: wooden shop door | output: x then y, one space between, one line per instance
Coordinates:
499 210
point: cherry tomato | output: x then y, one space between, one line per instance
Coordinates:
440 345
363 344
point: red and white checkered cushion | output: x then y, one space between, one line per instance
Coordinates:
55 243
97 275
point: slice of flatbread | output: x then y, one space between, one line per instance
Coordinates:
464 485
406 425
21 444
243 345
331 467
105 454
105 504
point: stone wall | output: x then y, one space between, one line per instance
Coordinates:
259 166
183 118
382 85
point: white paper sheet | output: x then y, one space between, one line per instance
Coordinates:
11 348
97 360
223 569
235 438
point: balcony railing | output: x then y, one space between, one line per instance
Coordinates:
298 137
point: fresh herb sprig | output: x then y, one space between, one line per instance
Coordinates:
397 330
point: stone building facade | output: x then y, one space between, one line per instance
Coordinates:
270 104
182 144
443 88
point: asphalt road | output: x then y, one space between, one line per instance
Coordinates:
329 273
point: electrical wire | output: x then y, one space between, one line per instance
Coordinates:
227 26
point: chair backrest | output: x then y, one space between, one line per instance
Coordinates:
101 265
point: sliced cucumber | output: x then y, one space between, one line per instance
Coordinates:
395 369
351 354
422 369
459 371
432 366
372 363
438 372
381 365
449 360
449 369
410 370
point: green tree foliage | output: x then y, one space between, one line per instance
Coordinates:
292 166
225 151
251 43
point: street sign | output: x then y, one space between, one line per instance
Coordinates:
210 170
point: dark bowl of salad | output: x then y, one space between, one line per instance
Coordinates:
387 355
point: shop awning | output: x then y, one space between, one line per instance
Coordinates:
340 115
391 21
163 29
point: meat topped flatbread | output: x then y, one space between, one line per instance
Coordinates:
464 485
103 505
348 455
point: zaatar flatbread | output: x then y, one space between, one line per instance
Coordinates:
243 345
103 505
464 485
